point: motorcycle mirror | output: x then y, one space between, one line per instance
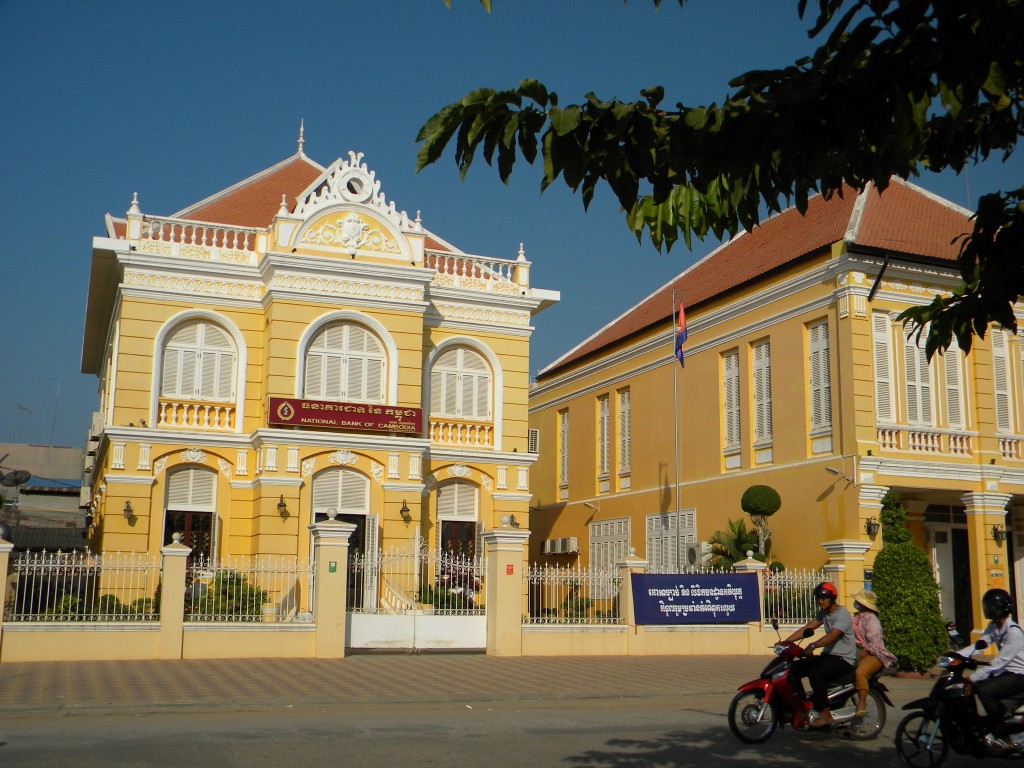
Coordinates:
981 645
808 632
775 624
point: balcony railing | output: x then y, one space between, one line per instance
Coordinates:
924 440
465 434
198 240
474 272
191 414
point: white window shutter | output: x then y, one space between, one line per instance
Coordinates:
762 392
604 435
953 365
731 397
1001 380
624 427
821 376
882 347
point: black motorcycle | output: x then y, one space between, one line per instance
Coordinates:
949 717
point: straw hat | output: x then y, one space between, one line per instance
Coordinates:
867 599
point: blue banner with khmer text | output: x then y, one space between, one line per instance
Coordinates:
695 598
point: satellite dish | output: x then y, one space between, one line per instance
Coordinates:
15 478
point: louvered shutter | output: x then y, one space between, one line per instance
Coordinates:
171 384
731 386
881 338
919 385
354 497
563 447
1001 380
326 487
624 438
191 489
604 436
762 392
333 367
821 376
953 366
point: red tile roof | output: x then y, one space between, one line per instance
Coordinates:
904 219
255 201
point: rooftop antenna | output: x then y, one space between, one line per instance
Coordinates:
21 420
302 134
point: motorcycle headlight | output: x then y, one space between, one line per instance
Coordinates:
945 662
779 648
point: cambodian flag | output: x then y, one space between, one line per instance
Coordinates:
681 335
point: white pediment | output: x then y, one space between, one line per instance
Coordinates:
349 182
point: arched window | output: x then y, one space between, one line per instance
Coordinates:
191 503
348 492
199 364
345 362
457 518
460 385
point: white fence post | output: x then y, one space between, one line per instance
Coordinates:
330 587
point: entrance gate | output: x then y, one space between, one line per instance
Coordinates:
416 598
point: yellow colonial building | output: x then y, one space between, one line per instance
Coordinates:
295 347
798 376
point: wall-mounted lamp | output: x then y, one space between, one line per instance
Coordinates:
404 511
88 519
999 533
282 508
128 511
872 526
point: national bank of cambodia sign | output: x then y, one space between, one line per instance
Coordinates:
362 417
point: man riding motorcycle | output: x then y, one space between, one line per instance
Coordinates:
840 650
1004 676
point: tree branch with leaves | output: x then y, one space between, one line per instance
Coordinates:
895 88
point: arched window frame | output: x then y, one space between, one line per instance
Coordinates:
373 325
497 381
192 505
160 341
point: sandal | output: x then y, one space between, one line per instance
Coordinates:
862 712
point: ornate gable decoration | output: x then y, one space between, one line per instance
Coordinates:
348 183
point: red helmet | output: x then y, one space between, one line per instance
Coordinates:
826 589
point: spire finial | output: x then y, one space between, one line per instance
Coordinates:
302 134
521 256
283 211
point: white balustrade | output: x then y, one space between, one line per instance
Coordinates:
1009 447
476 272
461 433
196 415
889 438
194 239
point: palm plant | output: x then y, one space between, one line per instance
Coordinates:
732 544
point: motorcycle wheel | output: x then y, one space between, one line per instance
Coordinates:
912 736
869 726
751 720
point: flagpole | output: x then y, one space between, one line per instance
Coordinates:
675 399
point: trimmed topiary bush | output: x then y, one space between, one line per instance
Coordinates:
761 502
908 597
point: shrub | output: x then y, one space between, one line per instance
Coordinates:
230 595
761 502
908 597
577 607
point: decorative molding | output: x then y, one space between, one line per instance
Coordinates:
193 456
342 457
225 467
344 287
377 470
159 464
459 470
486 482
486 315
307 467
193 285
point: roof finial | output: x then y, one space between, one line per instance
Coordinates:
302 134
521 256
283 210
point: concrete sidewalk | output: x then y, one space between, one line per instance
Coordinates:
370 679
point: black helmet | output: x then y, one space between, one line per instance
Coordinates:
826 589
996 604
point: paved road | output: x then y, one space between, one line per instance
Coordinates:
400 710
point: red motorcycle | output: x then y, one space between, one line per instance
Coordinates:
772 700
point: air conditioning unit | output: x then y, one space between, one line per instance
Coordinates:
533 441
695 554
545 547
570 545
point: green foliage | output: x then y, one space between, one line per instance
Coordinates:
895 88
893 518
908 606
731 545
576 607
761 500
229 595
447 599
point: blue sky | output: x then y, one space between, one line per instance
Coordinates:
178 100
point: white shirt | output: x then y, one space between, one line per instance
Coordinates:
1009 639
